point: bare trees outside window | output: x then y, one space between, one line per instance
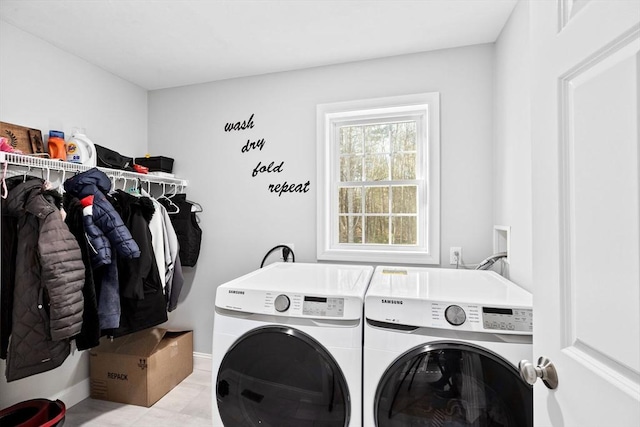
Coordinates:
377 190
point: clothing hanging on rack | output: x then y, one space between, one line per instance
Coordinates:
185 222
8 255
89 335
102 222
107 290
48 279
177 282
165 247
142 299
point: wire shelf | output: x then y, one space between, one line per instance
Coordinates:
67 168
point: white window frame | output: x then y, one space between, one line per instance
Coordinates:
329 117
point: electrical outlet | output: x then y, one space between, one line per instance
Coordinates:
455 255
290 245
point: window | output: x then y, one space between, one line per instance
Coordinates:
378 179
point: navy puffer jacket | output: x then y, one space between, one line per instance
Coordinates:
102 223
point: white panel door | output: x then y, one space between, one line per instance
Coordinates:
586 201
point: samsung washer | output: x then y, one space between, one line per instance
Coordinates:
441 348
287 347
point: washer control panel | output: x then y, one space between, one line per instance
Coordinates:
323 306
290 304
501 319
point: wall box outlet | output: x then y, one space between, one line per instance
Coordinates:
292 246
453 258
502 240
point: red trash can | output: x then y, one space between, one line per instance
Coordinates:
34 413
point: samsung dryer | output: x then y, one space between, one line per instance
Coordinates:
287 347
441 348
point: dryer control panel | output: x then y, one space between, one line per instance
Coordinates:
501 319
473 317
457 316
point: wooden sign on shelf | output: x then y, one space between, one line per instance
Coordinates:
23 138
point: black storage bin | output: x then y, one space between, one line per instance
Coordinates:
156 164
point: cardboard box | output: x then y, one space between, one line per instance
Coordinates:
142 367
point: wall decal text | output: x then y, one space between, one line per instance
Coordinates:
273 167
252 145
260 168
247 124
289 188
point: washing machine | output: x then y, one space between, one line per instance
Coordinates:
441 348
287 347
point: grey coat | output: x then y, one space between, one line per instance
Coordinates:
49 276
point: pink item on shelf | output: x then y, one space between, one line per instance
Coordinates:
5 146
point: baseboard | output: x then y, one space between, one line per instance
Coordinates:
202 361
74 394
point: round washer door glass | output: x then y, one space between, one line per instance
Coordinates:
278 376
451 384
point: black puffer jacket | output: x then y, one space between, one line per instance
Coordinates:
49 276
102 222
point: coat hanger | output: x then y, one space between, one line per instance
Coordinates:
135 190
171 208
196 207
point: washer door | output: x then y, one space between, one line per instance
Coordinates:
278 376
452 384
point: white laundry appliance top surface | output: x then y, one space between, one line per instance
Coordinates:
447 285
461 300
316 291
307 278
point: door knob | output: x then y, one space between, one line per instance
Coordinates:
545 370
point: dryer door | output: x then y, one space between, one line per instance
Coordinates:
279 376
452 384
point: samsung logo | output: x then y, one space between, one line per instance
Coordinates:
391 301
231 291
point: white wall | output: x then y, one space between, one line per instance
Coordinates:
242 220
45 88
512 146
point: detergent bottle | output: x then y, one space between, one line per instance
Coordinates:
80 149
56 145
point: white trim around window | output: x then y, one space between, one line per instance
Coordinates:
424 109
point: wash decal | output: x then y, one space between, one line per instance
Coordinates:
265 167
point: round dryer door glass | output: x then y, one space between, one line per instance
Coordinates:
278 376
451 384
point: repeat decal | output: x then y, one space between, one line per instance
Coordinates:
266 167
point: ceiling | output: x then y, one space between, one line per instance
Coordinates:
166 43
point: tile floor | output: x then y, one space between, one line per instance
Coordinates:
187 405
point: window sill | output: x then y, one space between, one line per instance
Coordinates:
372 256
